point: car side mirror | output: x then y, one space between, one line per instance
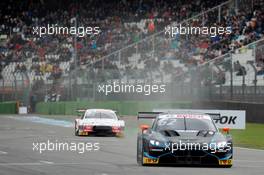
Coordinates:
144 127
226 130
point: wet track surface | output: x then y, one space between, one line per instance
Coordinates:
116 156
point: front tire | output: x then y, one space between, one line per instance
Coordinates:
140 152
76 131
227 166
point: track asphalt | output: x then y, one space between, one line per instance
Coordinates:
116 156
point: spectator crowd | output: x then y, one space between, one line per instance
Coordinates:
122 23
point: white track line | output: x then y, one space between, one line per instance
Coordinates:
22 164
248 166
250 149
3 152
42 162
46 162
254 161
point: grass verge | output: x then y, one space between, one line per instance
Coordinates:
251 137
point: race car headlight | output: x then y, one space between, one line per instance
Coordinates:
154 143
221 144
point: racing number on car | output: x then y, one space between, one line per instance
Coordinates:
150 161
225 162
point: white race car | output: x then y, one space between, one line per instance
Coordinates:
99 121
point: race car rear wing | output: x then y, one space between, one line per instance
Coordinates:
80 112
153 115
233 119
148 115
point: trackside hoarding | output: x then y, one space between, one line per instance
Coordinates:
233 119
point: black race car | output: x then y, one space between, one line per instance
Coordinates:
183 138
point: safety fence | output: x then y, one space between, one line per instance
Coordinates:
122 107
9 107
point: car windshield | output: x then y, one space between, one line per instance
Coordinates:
199 124
170 124
100 114
184 124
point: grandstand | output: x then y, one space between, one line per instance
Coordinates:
132 48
